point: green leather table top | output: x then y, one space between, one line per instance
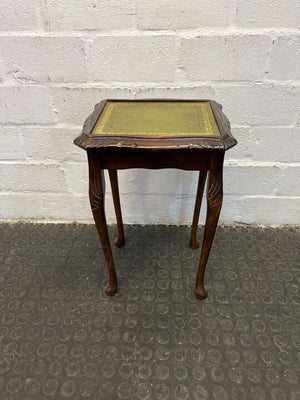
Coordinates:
156 119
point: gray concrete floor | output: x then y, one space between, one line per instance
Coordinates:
62 337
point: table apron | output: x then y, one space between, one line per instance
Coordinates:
187 159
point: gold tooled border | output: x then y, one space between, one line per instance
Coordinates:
210 125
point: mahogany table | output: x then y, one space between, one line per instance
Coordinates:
159 133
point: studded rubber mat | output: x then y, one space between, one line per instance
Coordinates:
62 337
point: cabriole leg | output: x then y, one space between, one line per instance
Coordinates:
201 183
214 204
97 194
113 176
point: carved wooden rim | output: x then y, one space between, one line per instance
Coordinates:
88 141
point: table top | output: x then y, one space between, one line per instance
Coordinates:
157 124
156 119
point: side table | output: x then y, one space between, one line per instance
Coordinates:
156 133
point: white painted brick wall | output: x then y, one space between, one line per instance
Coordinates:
31 177
42 59
178 14
253 142
73 104
132 58
260 104
18 16
64 15
233 58
285 58
262 13
24 104
59 58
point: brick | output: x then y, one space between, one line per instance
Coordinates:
177 92
21 206
225 57
45 59
25 105
19 16
251 180
268 210
76 176
45 206
127 181
165 182
265 143
289 181
144 209
230 212
132 58
40 143
257 13
31 177
243 150
179 15
285 59
12 145
53 143
65 207
89 15
259 104
2 69
297 123
73 105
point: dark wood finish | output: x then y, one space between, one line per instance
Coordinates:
204 154
214 204
201 143
201 183
112 158
113 176
97 194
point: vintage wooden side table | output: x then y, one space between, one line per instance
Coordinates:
185 134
